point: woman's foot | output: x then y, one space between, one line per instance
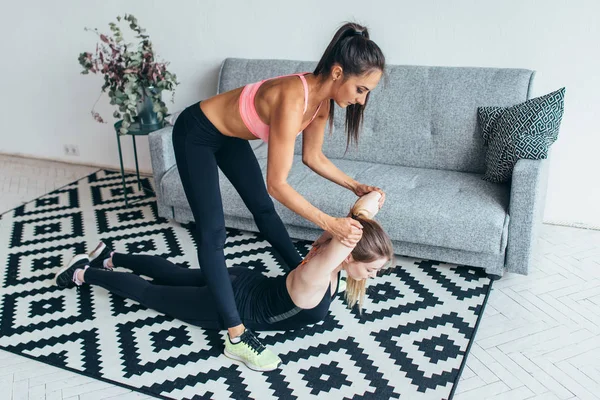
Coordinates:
66 277
249 350
100 255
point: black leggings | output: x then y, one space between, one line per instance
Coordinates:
199 149
183 293
176 291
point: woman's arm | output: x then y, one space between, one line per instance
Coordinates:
326 259
312 151
366 206
316 273
286 120
328 170
305 284
313 157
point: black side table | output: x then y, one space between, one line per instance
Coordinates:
134 130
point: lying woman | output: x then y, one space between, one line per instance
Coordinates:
300 297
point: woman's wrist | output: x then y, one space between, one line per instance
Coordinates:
351 184
325 222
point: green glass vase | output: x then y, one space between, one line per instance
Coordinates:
146 116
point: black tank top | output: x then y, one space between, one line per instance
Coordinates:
265 304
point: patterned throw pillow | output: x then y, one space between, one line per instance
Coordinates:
525 130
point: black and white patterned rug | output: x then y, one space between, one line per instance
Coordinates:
411 341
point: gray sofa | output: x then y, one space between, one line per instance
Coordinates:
421 144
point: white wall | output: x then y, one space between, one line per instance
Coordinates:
46 103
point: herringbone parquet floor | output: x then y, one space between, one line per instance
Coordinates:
539 337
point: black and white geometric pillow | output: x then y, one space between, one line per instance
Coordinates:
524 130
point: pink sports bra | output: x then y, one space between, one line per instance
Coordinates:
248 110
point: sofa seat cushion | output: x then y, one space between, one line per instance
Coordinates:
441 208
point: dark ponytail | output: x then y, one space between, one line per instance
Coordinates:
352 49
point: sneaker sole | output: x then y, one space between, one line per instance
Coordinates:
252 367
94 254
75 259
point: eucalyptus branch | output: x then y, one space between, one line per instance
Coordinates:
128 70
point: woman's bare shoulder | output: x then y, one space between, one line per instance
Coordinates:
284 90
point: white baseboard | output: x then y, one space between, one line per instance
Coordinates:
100 166
573 225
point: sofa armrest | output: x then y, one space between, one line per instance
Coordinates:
162 154
526 208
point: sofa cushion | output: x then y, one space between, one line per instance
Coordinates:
523 131
449 209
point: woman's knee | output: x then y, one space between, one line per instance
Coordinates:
264 211
213 239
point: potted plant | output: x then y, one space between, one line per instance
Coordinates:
132 75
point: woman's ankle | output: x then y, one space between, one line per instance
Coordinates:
236 331
80 275
108 263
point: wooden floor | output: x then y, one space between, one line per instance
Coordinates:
539 337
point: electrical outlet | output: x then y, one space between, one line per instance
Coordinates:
71 150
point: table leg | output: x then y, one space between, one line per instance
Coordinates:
122 171
137 170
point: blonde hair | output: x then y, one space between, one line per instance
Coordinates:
374 244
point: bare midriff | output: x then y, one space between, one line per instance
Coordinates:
223 109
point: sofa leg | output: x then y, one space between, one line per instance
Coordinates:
165 211
494 277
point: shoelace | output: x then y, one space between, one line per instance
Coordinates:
252 341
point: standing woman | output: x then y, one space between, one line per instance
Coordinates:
215 133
